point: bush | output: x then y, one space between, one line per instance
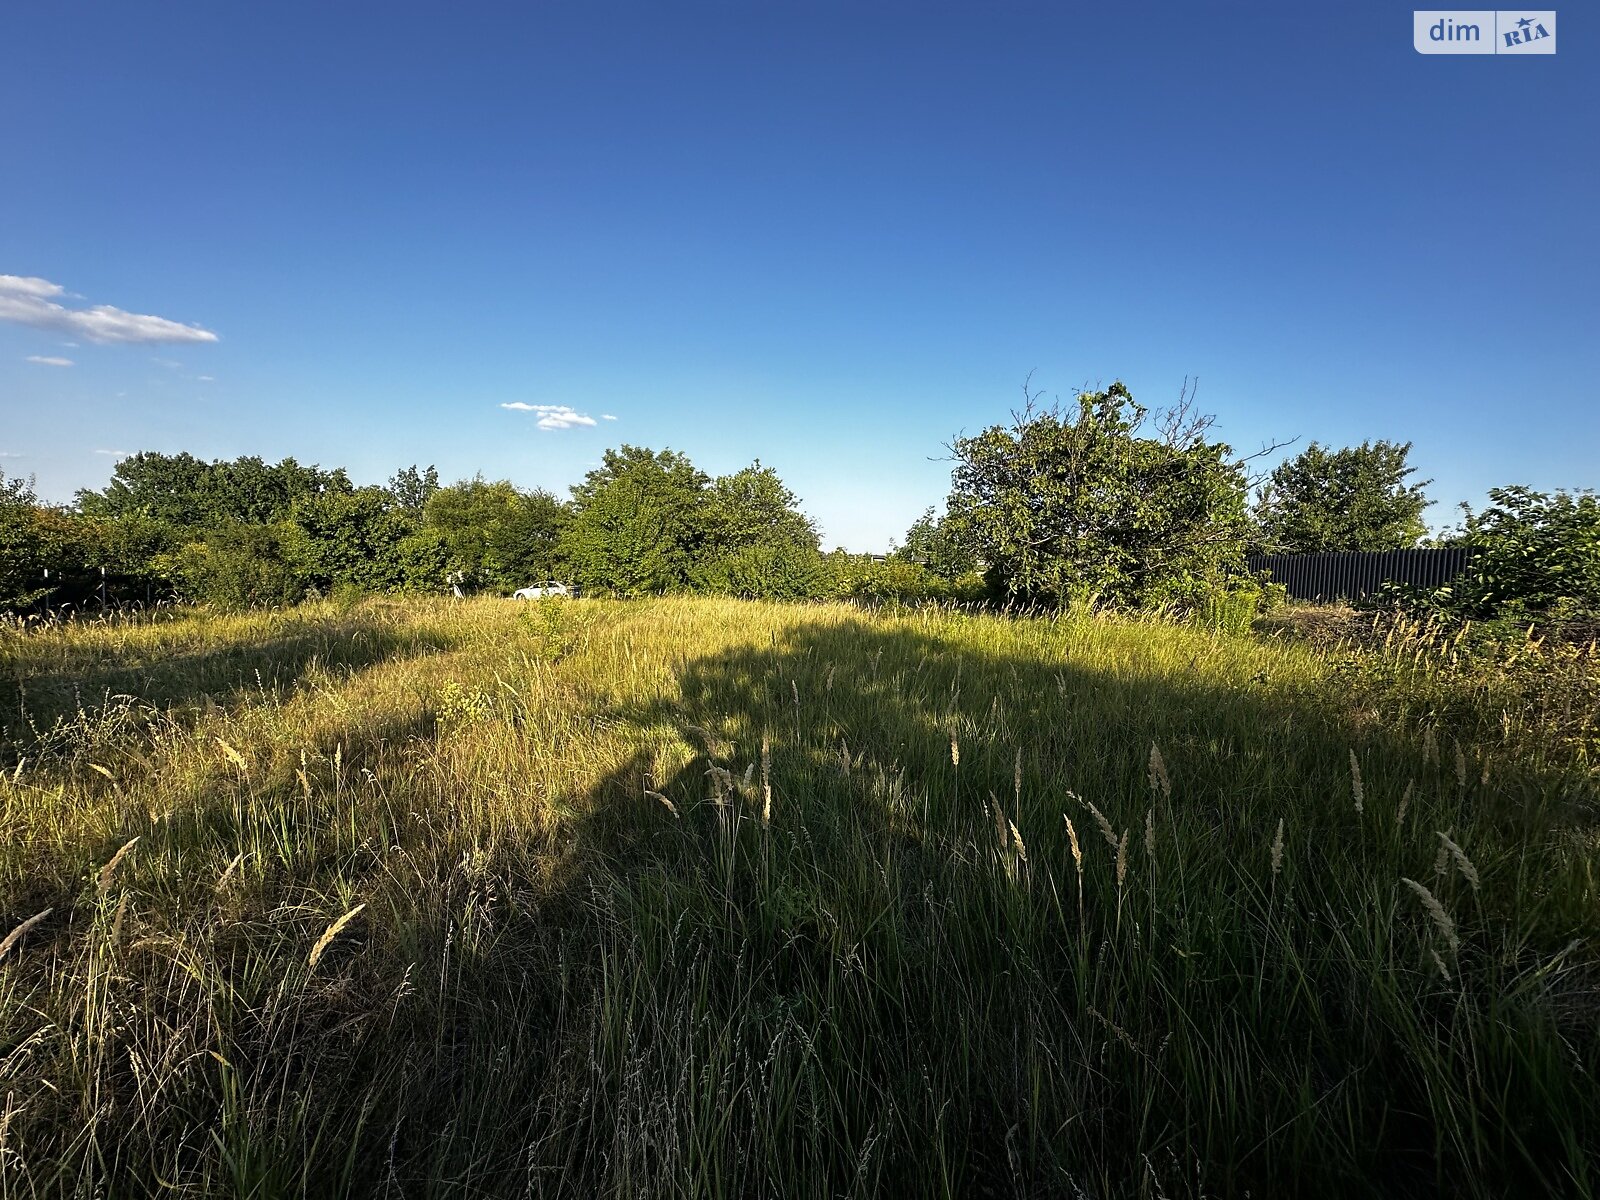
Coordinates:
239 566
766 572
1536 560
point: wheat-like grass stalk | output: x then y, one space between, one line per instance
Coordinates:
1356 788
1430 747
17 934
1405 803
1122 857
1077 862
1463 863
331 932
1444 971
1150 834
222 880
1106 831
1447 927
955 748
232 754
107 871
1017 843
667 804
1461 767
1160 781
1277 850
766 780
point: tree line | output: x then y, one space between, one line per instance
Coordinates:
1095 501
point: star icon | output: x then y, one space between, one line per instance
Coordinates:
1525 22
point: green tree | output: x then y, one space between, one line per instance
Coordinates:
936 545
500 537
1356 498
349 538
756 542
187 493
1079 504
1534 553
752 507
24 546
411 487
638 523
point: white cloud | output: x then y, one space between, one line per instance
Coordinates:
28 300
553 416
49 360
11 454
115 453
607 417
208 378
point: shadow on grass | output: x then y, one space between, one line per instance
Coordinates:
37 701
893 984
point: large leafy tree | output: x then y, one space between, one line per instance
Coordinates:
349 538
185 492
1357 498
639 523
753 507
411 487
24 545
935 544
497 535
1081 503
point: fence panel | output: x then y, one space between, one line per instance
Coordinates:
1353 575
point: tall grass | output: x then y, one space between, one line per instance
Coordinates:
696 897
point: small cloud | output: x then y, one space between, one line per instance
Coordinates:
207 379
49 360
607 417
553 416
115 453
29 300
169 363
11 454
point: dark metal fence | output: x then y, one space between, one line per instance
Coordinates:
1354 575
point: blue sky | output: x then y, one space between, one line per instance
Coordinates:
827 235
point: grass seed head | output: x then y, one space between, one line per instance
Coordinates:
766 780
1463 863
1160 781
331 932
17 934
1441 919
1106 831
1356 789
110 869
1277 850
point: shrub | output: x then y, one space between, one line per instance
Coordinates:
239 566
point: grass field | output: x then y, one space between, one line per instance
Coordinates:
708 898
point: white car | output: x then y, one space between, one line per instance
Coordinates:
548 588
